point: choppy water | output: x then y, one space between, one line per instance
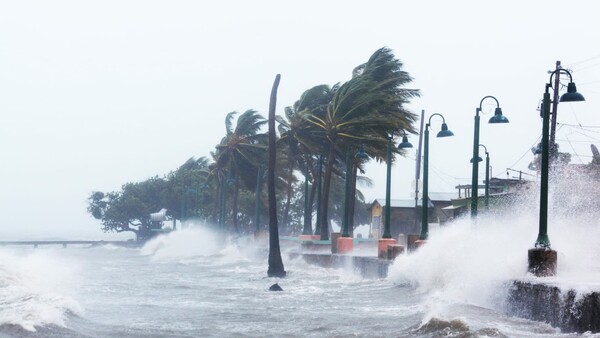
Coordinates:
185 285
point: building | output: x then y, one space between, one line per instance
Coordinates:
404 218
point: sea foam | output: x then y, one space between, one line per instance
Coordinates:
35 289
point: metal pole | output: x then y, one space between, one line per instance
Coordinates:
418 170
552 143
475 179
542 239
386 225
425 200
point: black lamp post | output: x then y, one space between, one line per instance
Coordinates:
444 132
542 260
403 145
570 96
497 118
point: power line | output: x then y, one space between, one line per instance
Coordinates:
577 125
586 60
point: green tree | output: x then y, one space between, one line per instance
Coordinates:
363 112
189 190
298 141
239 154
130 208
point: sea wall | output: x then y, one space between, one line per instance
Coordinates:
564 308
367 267
567 309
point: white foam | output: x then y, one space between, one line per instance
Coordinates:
35 289
470 261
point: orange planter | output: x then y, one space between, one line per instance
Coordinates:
383 247
345 245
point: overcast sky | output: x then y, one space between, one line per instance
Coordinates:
94 94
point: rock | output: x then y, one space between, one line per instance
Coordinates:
275 287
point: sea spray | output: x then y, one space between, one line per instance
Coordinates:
466 262
473 262
200 242
185 243
36 288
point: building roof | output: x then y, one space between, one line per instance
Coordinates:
442 196
400 203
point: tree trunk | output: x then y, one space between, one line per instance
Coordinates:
352 200
325 194
276 268
288 197
236 193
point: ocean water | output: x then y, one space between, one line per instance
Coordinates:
188 284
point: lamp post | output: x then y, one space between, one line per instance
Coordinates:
444 132
542 259
386 239
487 175
497 118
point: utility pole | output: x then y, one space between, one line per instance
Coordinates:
418 171
552 145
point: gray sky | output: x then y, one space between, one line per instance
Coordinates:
94 94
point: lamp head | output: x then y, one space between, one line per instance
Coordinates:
445 132
479 159
498 117
361 154
537 150
571 95
405 144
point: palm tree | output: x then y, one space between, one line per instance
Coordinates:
239 154
296 136
363 112
276 268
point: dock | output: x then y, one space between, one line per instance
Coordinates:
35 244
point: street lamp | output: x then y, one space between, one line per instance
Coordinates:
487 175
403 145
444 132
497 118
542 259
386 239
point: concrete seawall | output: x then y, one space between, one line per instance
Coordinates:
367 267
564 308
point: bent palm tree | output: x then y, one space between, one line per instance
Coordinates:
363 112
239 153
276 268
